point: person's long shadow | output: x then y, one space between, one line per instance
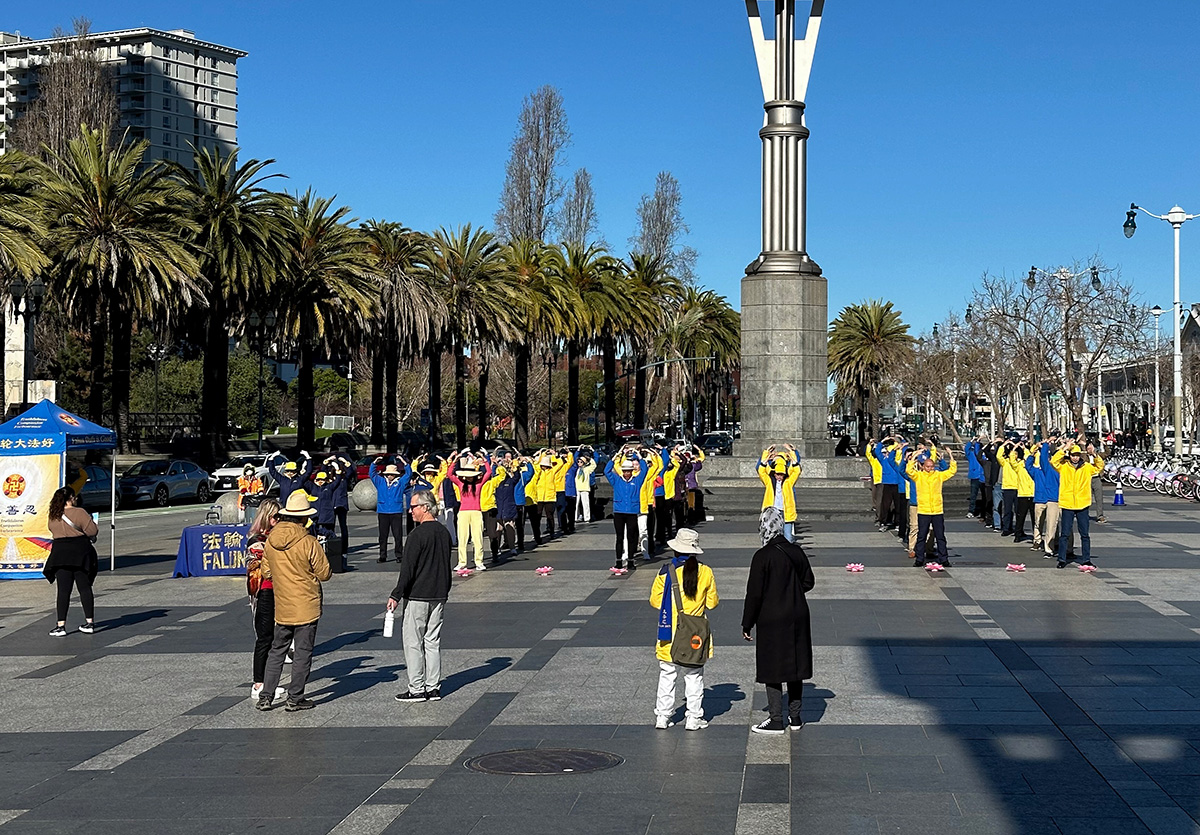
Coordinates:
131 619
718 701
351 675
346 639
489 668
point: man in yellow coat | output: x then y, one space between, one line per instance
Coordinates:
779 473
929 480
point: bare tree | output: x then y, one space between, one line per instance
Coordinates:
74 89
661 228
578 222
532 185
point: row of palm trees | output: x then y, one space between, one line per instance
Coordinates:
124 244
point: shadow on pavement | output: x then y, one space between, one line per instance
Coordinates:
456 681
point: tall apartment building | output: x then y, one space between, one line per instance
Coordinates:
172 89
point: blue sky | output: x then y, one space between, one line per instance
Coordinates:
948 137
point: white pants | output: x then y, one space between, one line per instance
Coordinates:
446 517
644 534
583 506
693 688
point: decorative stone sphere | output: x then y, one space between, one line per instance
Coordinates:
364 496
227 502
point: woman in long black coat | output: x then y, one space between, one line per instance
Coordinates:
780 576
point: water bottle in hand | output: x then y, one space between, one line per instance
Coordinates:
389 623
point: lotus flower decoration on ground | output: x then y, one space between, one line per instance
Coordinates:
1015 566
463 572
543 570
1087 569
855 567
618 572
934 567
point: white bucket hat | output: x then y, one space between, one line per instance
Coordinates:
686 541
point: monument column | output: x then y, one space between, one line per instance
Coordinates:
784 306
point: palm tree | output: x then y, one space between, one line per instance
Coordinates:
468 268
117 236
652 274
702 325
410 316
541 313
240 244
866 342
598 300
325 295
22 231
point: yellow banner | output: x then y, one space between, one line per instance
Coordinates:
27 483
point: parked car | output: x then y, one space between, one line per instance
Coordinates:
716 443
96 493
163 482
226 478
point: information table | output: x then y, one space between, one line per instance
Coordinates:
212 551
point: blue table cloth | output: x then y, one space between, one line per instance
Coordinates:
212 551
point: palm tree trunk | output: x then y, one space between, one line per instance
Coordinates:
460 392
572 392
377 363
610 389
122 339
99 338
391 371
435 393
306 399
484 371
521 358
214 395
639 393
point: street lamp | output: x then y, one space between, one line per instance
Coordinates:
157 352
1155 311
259 334
1176 217
31 294
550 360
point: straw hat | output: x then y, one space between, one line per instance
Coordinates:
429 467
469 471
298 505
686 541
391 469
629 465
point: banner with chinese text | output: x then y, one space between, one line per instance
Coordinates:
27 483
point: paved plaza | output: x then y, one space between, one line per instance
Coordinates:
976 701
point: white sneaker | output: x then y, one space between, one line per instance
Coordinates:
696 724
256 692
481 567
662 723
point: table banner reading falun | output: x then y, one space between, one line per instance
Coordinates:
27 483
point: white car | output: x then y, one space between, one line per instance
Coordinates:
226 478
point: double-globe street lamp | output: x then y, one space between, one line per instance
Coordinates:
27 301
259 334
1176 217
157 351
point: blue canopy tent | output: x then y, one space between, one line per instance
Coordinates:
47 430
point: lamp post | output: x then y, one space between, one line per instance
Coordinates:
259 334
1157 311
1064 277
157 352
1176 217
27 301
550 361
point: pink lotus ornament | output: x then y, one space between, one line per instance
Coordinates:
463 572
1017 567
543 571
855 567
934 567
1087 569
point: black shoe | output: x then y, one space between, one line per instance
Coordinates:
408 697
434 695
299 704
87 627
775 727
795 724
1086 562
381 560
263 703
945 563
1061 564
1035 547
58 632
919 563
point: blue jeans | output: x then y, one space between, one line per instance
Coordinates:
789 531
997 501
1010 502
1064 534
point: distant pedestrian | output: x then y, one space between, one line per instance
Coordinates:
297 566
421 593
262 593
684 584
780 577
72 560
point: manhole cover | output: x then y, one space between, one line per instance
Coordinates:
530 761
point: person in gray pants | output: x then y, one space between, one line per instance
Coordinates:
422 590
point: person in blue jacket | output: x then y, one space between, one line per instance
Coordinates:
571 493
972 450
889 485
341 497
525 475
291 476
323 488
389 504
1046 517
506 510
627 503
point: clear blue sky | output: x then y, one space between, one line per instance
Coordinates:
948 137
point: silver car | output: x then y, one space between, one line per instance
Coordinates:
163 482
226 478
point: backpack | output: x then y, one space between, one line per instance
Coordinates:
692 642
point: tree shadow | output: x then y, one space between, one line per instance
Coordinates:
352 675
489 668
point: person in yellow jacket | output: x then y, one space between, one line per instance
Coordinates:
1075 471
929 480
697 592
646 520
545 486
1024 493
1010 469
779 472
487 504
876 476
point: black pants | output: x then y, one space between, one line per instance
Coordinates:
549 511
985 506
520 527
775 701
568 517
651 527
627 536
393 524
1006 513
697 510
491 529
938 524
679 509
264 630
662 509
534 512
64 577
889 505
1024 509
305 637
341 513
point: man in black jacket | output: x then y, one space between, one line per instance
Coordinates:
424 586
